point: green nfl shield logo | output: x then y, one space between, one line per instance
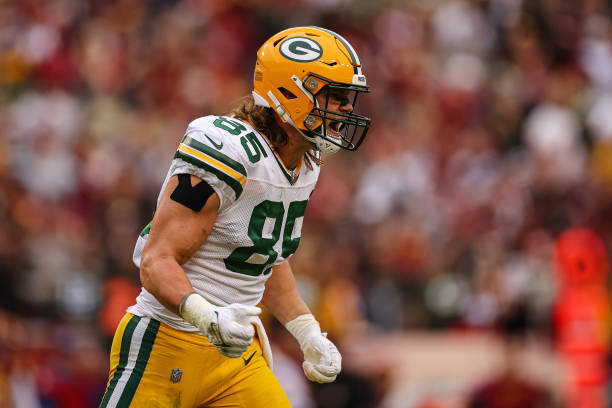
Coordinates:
176 375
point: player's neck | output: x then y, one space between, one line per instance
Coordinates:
297 146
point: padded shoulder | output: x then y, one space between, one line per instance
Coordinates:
213 151
218 132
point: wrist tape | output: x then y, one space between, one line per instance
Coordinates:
302 327
182 305
195 309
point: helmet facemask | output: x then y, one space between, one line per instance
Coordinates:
332 130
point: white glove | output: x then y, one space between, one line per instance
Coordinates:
322 360
229 328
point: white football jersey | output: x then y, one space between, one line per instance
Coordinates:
259 221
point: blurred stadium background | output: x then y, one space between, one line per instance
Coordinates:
431 255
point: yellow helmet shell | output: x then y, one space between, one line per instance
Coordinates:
295 64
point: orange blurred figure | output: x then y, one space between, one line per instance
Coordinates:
581 315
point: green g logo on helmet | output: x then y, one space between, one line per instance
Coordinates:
301 49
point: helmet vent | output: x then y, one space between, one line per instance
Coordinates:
279 40
331 64
286 93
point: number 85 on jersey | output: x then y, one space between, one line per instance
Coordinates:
265 228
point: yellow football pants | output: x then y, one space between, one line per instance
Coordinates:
153 365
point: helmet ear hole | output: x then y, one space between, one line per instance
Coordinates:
287 93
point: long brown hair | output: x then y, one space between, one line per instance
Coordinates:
264 120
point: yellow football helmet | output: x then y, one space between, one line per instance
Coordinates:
293 66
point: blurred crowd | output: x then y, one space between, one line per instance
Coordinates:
489 137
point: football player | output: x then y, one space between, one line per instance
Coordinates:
228 218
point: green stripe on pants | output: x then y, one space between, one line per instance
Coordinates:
141 363
126 340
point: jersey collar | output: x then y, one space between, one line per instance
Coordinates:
291 175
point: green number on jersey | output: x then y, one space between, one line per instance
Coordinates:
296 210
231 126
252 147
238 259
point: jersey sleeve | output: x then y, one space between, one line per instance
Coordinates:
210 155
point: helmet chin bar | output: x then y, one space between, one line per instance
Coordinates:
321 143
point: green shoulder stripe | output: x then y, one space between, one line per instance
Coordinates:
215 154
229 180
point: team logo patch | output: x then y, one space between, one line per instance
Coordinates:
301 49
176 375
